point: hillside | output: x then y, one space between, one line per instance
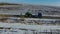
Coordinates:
8 4
17 9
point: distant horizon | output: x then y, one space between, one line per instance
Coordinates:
34 2
29 4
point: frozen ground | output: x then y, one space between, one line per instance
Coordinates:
17 28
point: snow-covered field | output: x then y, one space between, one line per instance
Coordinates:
17 28
32 21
